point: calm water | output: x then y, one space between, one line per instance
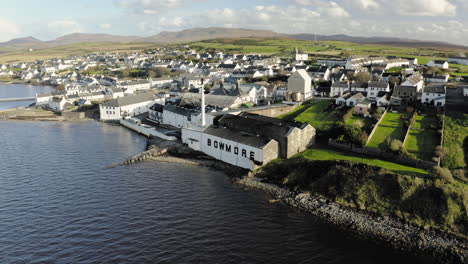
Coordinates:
61 203
20 91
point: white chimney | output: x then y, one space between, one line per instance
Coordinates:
203 119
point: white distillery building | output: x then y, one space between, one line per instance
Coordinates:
300 85
131 105
250 140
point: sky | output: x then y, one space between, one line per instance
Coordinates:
441 20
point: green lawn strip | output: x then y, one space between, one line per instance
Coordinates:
422 144
321 153
392 125
422 139
318 117
455 138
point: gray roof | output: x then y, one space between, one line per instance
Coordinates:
405 88
340 85
438 89
131 99
378 84
236 136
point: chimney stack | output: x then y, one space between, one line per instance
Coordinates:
203 119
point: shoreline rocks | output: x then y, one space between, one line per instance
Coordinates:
404 237
384 230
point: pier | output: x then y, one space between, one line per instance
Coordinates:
17 99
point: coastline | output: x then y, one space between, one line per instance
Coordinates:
444 248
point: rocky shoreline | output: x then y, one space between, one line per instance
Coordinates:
408 238
384 230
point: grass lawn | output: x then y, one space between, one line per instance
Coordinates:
456 140
357 121
423 139
391 126
322 153
316 115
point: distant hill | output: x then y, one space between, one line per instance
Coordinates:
80 37
390 41
21 42
197 34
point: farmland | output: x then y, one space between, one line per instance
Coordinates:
12 56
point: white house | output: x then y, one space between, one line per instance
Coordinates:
339 88
434 95
158 82
300 83
438 63
343 99
355 99
415 80
299 55
130 105
436 78
43 99
59 103
375 88
132 86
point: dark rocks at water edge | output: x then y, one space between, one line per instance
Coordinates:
384 230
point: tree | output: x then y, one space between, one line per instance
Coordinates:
363 77
443 174
393 81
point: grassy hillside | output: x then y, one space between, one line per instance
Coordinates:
284 46
277 46
12 55
427 201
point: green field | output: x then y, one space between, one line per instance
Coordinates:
316 115
23 55
391 126
456 140
358 121
328 154
277 46
423 138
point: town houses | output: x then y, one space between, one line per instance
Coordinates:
208 96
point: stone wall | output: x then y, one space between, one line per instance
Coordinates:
73 115
273 111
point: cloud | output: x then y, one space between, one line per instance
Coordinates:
149 7
105 26
64 27
8 30
425 7
429 8
368 4
325 8
171 22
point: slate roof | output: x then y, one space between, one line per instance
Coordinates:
243 138
340 85
131 99
438 89
157 107
378 84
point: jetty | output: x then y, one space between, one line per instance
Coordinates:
17 99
